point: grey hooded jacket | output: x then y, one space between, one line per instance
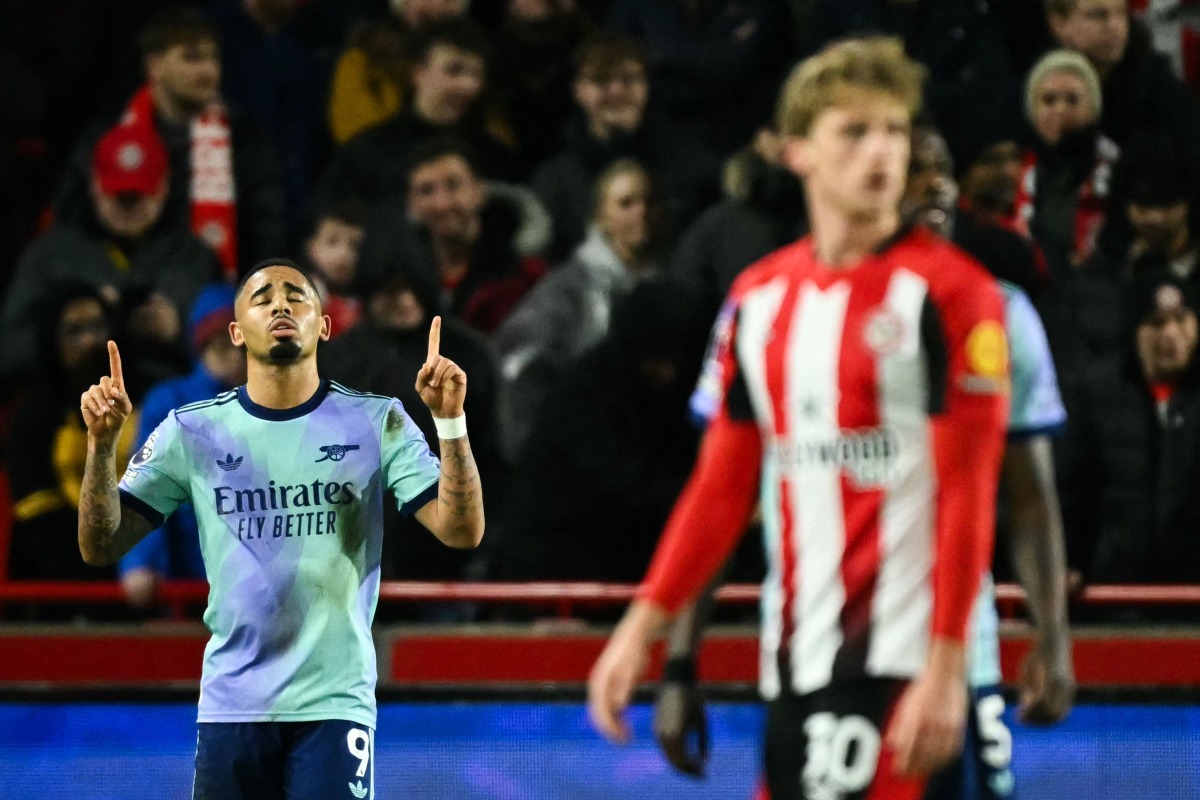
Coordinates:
562 317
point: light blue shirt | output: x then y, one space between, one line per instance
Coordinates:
290 511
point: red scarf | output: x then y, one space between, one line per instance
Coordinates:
1091 204
212 193
1162 392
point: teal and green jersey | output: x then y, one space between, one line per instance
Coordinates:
290 511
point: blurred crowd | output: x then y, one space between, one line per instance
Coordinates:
573 185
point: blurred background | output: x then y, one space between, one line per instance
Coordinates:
573 185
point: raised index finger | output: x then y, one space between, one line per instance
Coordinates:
114 365
435 340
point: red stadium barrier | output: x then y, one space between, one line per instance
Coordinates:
1104 658
531 657
563 597
167 653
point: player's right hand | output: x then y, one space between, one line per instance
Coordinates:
441 383
681 727
617 673
1047 683
106 405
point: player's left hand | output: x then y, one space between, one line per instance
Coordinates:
441 383
926 731
681 727
1047 683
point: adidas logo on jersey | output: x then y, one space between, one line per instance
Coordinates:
358 790
230 463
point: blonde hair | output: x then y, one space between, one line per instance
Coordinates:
622 166
874 63
1064 61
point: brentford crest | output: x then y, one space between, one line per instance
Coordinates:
883 331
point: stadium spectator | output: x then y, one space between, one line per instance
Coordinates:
447 82
1159 209
612 90
536 46
710 58
124 246
173 549
1131 469
60 65
380 356
48 443
611 449
333 250
989 185
931 200
1141 93
1171 25
478 242
371 79
569 312
275 71
1158 235
1066 176
763 210
226 181
973 92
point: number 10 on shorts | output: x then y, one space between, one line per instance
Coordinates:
841 756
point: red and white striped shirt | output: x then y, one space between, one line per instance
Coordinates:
872 402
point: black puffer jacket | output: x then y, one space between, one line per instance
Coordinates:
170 261
610 451
1130 477
767 213
1143 94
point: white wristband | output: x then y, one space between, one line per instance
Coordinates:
452 428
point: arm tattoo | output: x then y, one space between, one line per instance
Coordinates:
460 495
105 534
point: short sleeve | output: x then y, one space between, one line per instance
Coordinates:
410 468
721 387
156 481
1036 404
